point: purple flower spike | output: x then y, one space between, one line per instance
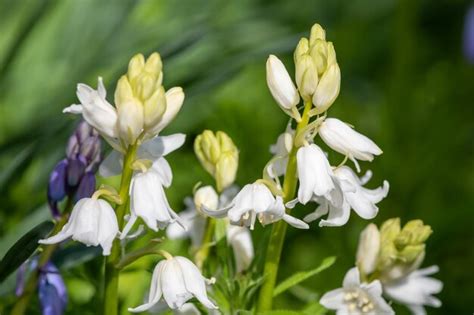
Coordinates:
469 35
57 181
20 279
52 291
86 187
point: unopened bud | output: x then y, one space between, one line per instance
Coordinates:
306 76
317 32
218 155
368 249
328 88
206 196
280 84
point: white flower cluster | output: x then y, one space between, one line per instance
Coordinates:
336 189
142 110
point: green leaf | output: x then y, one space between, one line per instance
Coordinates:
23 249
303 275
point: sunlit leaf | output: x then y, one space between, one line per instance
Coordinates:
303 275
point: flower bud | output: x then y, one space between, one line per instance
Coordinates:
317 32
368 249
206 196
306 76
280 84
319 54
402 250
328 88
140 87
301 49
219 156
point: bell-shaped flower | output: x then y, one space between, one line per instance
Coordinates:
92 222
281 86
256 201
416 290
357 298
95 109
362 200
240 239
314 173
345 140
176 280
148 199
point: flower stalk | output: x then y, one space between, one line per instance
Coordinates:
277 237
110 302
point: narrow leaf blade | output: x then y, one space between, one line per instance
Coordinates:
23 249
303 275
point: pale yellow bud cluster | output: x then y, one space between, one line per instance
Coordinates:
219 156
140 97
392 251
317 73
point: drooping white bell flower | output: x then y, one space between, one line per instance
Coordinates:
280 150
281 86
357 298
195 222
256 201
153 149
416 290
176 280
354 196
368 249
95 109
315 174
345 140
92 222
148 199
240 239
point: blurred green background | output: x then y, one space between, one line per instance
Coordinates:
405 84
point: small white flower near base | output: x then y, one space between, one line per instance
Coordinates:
415 290
92 222
357 298
176 280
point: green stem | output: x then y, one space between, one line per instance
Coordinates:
277 237
111 281
47 251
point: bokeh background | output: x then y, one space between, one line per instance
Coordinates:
405 83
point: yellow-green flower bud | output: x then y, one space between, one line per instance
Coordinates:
306 76
317 32
402 249
218 155
141 86
301 49
319 53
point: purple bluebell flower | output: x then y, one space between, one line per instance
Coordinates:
468 41
52 290
74 175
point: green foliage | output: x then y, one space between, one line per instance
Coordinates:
23 249
302 276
